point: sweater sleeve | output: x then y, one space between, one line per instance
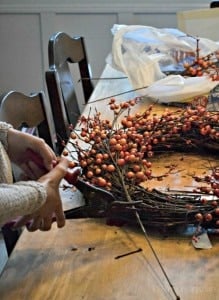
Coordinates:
20 199
4 127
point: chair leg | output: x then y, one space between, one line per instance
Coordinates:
10 237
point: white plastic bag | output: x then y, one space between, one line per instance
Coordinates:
175 88
144 53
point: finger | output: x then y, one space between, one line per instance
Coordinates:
60 170
22 221
32 170
60 217
46 223
35 170
43 156
27 170
49 158
34 224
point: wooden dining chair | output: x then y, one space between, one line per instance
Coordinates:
68 81
31 114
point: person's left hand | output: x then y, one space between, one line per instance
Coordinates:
19 144
51 211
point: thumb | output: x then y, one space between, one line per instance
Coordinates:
57 173
71 175
61 168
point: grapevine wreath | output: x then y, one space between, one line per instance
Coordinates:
118 156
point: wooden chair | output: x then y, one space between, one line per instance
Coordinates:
68 81
31 114
214 4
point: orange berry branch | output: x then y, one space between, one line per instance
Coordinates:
200 66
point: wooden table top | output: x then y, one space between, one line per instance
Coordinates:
78 261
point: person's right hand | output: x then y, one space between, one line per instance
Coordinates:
20 144
52 209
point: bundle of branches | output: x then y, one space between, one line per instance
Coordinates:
116 156
165 210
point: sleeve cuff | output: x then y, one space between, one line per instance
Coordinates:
4 127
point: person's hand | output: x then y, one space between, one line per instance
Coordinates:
52 209
21 144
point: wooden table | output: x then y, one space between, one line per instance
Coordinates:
79 261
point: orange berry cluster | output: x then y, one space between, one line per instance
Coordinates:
112 151
200 67
210 188
111 155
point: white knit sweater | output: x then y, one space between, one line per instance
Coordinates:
20 198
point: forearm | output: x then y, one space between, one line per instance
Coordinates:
20 199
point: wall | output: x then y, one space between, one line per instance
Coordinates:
25 28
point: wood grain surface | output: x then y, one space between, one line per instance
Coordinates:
78 262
